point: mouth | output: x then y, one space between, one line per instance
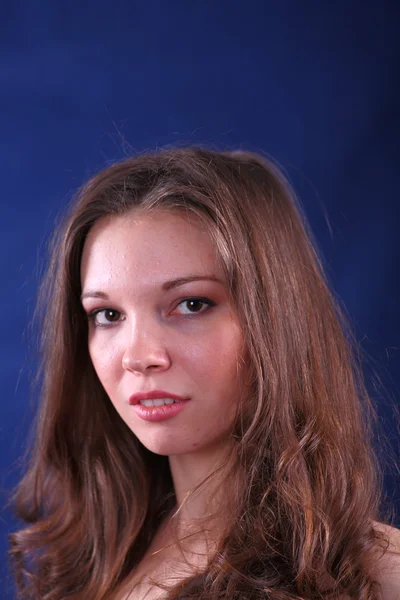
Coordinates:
157 405
155 398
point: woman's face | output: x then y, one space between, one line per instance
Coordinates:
160 319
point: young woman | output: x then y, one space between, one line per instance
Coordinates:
204 431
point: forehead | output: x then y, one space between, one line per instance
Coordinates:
150 247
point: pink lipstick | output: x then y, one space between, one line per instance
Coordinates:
169 405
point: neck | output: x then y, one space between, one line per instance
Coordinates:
197 487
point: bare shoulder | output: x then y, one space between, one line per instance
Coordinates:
387 571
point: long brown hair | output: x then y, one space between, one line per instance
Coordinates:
304 481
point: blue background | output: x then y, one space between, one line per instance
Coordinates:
314 84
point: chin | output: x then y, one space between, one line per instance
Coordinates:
166 447
175 447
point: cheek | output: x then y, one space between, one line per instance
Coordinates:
218 359
106 360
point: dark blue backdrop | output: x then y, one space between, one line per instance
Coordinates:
315 84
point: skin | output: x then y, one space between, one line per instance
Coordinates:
154 339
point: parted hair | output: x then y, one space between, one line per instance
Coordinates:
303 482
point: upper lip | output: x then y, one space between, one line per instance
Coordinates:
153 395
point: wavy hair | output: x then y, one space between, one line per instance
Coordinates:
304 482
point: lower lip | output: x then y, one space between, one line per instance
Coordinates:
159 413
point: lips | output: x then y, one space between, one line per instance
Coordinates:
154 395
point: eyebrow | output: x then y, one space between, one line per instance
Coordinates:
166 286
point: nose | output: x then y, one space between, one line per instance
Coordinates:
145 352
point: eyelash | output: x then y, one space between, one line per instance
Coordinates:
206 301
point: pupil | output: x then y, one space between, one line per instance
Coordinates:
111 315
193 304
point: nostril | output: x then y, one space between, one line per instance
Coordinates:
153 361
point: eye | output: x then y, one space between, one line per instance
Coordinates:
195 305
104 317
